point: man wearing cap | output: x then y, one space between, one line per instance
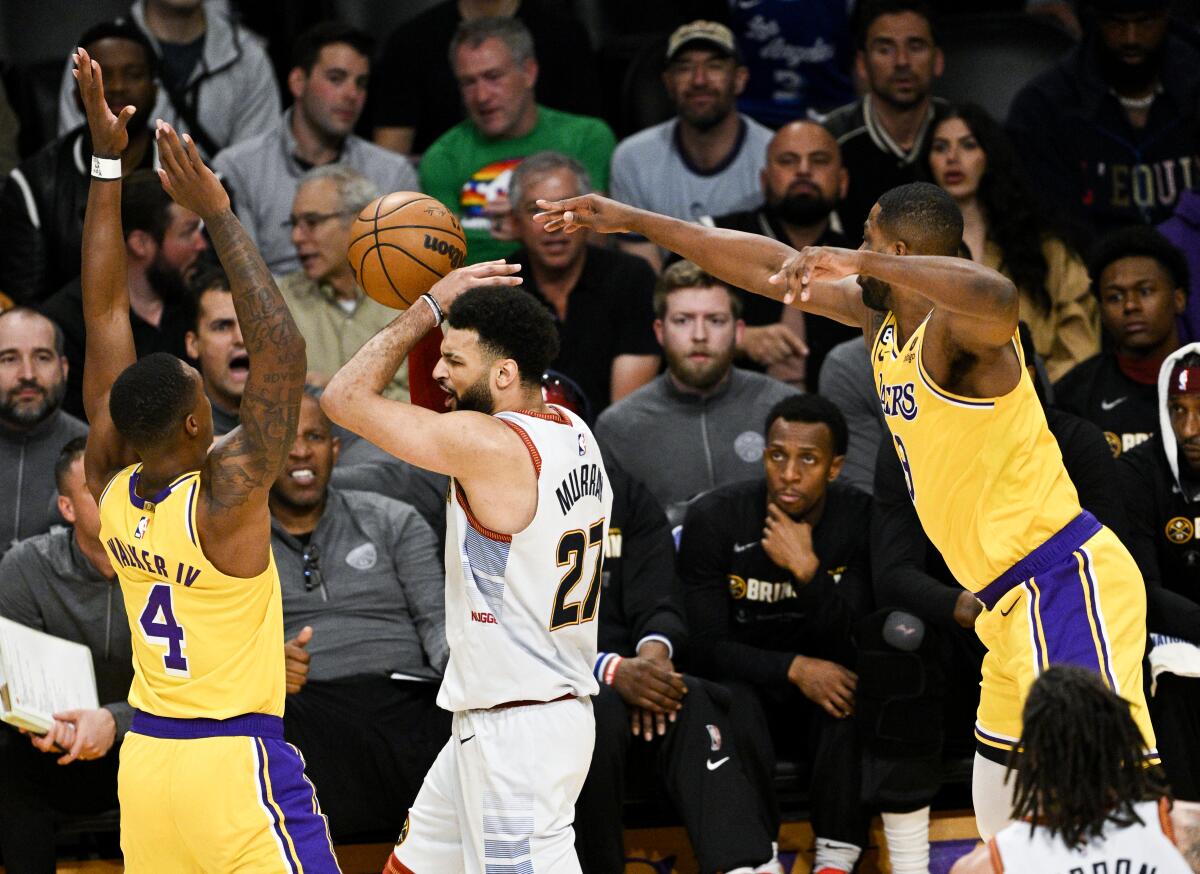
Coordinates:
1111 134
706 160
1160 483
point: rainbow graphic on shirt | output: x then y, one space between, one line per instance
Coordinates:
483 186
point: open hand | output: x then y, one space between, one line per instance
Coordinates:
589 211
447 289
814 264
109 135
771 344
185 177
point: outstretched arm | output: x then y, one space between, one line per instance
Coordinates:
750 261
105 296
241 468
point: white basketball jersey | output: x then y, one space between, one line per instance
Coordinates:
521 608
1134 849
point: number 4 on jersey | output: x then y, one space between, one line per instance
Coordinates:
166 632
573 550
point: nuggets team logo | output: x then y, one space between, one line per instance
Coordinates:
749 446
582 441
714 737
1180 530
836 573
737 587
141 527
403 832
1114 443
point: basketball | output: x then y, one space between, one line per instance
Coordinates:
401 244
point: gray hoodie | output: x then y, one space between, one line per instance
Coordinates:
27 491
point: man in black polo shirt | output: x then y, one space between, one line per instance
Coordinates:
775 573
1142 282
802 183
600 298
882 134
1160 481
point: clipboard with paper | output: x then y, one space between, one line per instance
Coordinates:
41 675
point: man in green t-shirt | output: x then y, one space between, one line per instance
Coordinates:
469 166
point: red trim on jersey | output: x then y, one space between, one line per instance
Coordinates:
533 453
994 852
1164 819
475 523
395 866
556 415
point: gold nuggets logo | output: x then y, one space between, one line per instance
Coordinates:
403 832
737 587
1180 530
1114 443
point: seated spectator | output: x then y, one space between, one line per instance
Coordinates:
363 611
1108 135
847 380
801 184
163 242
61 583
705 161
1141 281
33 427
1183 230
883 133
469 167
642 634
692 429
330 66
775 572
1160 480
600 298
798 57
971 158
408 120
333 313
217 81
42 204
214 342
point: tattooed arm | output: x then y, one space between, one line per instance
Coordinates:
241 468
105 295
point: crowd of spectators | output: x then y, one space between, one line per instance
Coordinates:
762 533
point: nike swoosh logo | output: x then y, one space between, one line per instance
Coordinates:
465 739
712 766
1011 607
1112 405
742 547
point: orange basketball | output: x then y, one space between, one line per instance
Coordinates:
401 244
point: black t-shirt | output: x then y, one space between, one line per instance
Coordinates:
178 61
821 334
415 86
609 313
1099 391
752 615
66 308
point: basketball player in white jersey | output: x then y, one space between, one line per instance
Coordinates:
526 524
1084 800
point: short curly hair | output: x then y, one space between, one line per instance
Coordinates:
511 323
150 399
1138 241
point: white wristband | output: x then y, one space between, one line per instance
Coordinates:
438 315
106 168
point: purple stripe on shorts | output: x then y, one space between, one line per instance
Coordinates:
247 725
265 796
296 798
1094 599
1072 536
1034 597
1063 611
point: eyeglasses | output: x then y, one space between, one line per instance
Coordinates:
312 567
310 220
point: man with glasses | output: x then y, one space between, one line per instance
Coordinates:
331 64
364 618
332 312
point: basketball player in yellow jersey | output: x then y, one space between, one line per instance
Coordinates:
983 470
206 783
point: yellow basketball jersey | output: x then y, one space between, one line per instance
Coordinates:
205 644
985 474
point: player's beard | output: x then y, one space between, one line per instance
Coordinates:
477 398
875 294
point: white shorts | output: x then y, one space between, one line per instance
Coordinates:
500 797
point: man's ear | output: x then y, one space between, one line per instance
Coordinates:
66 508
296 81
835 468
141 245
191 345
507 373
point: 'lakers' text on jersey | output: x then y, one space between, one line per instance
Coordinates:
521 608
205 644
986 475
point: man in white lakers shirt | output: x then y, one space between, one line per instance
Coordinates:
527 520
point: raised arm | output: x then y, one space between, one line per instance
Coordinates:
241 468
109 347
749 261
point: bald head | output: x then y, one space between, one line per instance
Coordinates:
803 178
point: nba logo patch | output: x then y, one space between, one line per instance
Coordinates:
582 444
714 735
141 527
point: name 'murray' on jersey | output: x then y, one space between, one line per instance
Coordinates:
587 479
